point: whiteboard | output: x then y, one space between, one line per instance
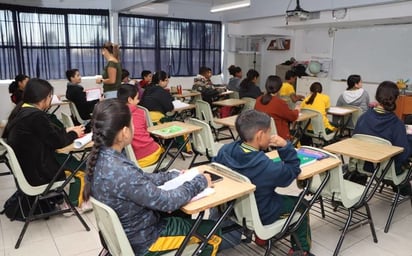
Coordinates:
375 53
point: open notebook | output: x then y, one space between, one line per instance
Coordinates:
187 176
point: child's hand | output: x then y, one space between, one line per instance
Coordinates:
209 179
79 130
277 141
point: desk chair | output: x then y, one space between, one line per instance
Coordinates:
76 115
247 215
132 157
149 121
204 112
391 178
113 233
250 103
203 143
349 121
318 128
346 194
273 129
42 192
67 120
234 95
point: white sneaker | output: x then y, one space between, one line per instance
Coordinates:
86 206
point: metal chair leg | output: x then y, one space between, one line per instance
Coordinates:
392 211
26 223
268 247
322 208
342 236
371 225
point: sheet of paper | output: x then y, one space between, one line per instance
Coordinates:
93 94
55 100
338 110
179 104
81 142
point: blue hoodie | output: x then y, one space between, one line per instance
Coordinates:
380 123
262 172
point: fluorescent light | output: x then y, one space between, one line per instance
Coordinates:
230 6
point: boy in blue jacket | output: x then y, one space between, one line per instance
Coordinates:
247 157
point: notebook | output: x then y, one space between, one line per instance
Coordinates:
93 94
169 130
304 160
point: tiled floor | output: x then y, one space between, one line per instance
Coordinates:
65 236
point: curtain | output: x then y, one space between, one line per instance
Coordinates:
9 67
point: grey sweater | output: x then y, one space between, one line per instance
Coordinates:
358 98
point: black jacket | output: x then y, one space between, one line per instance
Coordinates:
155 98
75 93
34 139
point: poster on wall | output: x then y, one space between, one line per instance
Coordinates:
279 44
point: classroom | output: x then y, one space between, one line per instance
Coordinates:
366 37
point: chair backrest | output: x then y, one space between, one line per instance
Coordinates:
391 174
75 113
234 95
273 129
130 154
246 211
111 229
21 181
149 121
336 187
318 127
289 101
354 117
67 120
203 140
250 103
204 112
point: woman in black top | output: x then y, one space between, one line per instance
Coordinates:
249 87
156 99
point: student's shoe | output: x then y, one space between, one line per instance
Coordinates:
85 207
187 154
299 253
259 241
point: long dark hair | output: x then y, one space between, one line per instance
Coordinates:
352 80
36 90
315 88
109 117
273 85
15 84
251 74
386 95
159 76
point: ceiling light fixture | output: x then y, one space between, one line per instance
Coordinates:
230 6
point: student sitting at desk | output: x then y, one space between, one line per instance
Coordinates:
249 87
320 102
76 94
146 150
381 121
234 81
246 156
135 195
126 80
16 88
146 78
271 104
354 95
287 91
156 99
204 85
34 138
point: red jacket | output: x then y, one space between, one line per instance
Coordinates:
278 109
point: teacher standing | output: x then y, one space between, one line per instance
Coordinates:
112 73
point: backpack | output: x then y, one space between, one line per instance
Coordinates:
13 211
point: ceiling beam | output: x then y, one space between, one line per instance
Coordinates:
125 5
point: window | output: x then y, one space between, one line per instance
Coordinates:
44 43
176 46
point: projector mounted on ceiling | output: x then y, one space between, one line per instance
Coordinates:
298 14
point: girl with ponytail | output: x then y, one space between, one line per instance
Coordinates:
319 102
133 194
16 88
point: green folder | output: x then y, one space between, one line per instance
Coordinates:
304 160
169 130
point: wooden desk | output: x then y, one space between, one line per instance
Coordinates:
364 150
228 92
226 121
229 102
310 170
305 116
403 106
187 129
367 151
226 191
71 148
56 106
341 113
186 94
299 129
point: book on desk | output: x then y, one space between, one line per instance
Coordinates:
306 156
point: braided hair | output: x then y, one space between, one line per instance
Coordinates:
315 88
109 117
